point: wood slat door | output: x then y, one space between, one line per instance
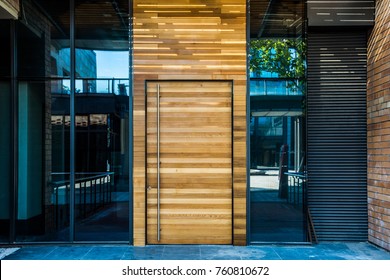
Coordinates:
195 151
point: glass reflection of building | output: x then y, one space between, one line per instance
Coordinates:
277 88
42 107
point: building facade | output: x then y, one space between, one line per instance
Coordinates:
197 122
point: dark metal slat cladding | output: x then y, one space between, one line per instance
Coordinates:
337 135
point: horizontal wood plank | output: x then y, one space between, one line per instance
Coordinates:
190 40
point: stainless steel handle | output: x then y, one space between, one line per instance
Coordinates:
158 162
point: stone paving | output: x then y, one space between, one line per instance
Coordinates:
322 251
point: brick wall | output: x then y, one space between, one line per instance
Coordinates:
378 109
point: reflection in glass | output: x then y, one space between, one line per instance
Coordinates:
102 121
277 89
43 134
5 131
43 122
5 158
277 179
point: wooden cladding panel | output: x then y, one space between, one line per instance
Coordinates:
190 40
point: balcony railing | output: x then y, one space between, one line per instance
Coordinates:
115 86
92 191
296 187
276 86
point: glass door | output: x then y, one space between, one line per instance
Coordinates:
277 189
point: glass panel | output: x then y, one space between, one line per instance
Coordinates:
102 121
5 131
276 181
5 158
43 161
277 89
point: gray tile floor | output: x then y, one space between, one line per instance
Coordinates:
322 251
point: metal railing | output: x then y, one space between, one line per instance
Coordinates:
115 86
91 193
296 188
276 86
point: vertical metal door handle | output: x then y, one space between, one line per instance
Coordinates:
158 162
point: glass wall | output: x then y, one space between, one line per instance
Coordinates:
5 130
277 142
102 121
41 182
43 141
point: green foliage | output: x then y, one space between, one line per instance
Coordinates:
284 57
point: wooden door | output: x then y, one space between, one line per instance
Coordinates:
192 138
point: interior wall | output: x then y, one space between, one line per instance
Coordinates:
195 40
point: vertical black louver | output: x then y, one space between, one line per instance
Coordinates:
337 135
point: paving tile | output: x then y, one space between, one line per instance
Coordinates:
7 251
332 246
132 256
347 251
297 253
148 249
68 253
323 251
24 256
105 253
259 253
220 253
179 252
31 253
180 257
41 250
219 256
366 251
182 249
143 253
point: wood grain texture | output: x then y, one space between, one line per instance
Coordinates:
190 110
191 40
